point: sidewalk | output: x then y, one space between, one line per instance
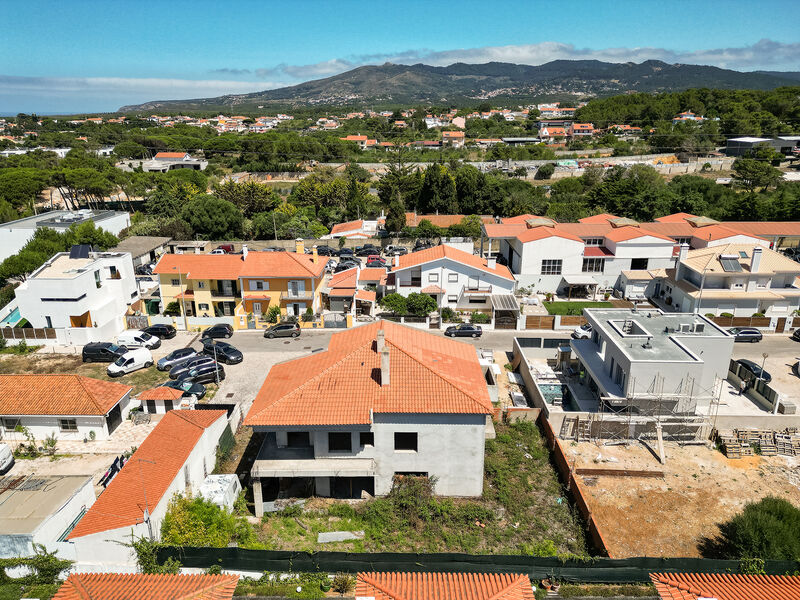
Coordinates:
124 438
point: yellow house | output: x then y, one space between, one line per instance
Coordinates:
241 288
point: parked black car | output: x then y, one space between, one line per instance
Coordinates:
221 330
796 335
179 370
175 358
755 369
346 252
745 334
327 251
377 264
102 352
346 264
464 330
204 374
422 245
164 332
189 388
367 249
222 352
282 330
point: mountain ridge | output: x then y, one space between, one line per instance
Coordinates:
463 82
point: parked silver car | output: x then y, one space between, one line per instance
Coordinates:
175 357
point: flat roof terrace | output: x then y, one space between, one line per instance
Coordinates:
652 334
26 502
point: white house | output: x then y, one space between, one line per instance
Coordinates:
360 229
41 510
86 293
741 279
174 459
15 234
383 400
70 407
454 278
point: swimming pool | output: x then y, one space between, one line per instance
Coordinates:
12 319
560 391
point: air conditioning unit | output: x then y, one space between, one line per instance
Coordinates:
699 327
685 328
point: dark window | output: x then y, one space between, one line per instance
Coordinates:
167 405
68 424
366 438
151 406
638 264
298 439
340 442
10 424
405 441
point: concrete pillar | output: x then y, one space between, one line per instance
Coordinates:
258 498
322 486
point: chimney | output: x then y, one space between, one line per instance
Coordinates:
385 366
397 260
381 340
755 262
244 251
683 252
491 262
299 246
314 255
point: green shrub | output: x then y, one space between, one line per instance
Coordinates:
727 315
273 313
197 522
173 309
758 315
343 583
479 318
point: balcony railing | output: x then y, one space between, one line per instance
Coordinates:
224 293
477 289
298 295
412 283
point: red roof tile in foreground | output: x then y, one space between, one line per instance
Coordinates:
627 233
519 219
366 296
601 218
372 275
725 586
58 395
675 217
444 586
348 226
157 462
140 586
161 393
442 251
341 386
344 279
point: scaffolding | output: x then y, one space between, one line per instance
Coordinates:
639 416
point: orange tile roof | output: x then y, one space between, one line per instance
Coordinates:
354 138
412 219
675 217
452 134
348 226
444 586
428 374
161 393
58 395
345 278
233 266
726 586
626 233
140 586
432 289
442 251
157 462
518 219
601 218
366 295
717 232
170 155
540 233
372 275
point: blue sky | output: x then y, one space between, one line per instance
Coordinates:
86 55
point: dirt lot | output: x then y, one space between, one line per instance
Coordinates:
669 516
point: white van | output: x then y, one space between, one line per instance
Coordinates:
6 459
133 338
132 360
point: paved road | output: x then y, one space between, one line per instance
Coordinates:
782 353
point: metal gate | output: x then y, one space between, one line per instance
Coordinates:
334 321
136 321
505 322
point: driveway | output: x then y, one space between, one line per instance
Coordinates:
782 352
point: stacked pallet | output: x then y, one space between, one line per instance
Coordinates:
787 444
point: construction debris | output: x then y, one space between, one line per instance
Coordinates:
743 442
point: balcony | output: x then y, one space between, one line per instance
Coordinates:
272 461
412 283
233 293
477 289
298 295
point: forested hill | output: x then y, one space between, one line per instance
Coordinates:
461 83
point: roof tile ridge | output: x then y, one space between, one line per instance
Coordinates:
80 588
367 578
503 590
187 419
295 258
308 381
212 586
439 375
92 399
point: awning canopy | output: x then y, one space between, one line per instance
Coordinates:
504 302
580 280
266 297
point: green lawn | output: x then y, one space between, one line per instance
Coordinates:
573 308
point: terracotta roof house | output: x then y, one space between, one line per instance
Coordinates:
174 459
162 399
141 586
383 400
68 406
443 586
725 586
414 219
458 280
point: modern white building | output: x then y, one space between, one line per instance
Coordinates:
42 510
70 407
648 354
15 234
384 400
82 292
174 459
456 279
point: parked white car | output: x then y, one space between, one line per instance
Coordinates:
6 459
134 338
582 332
132 360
